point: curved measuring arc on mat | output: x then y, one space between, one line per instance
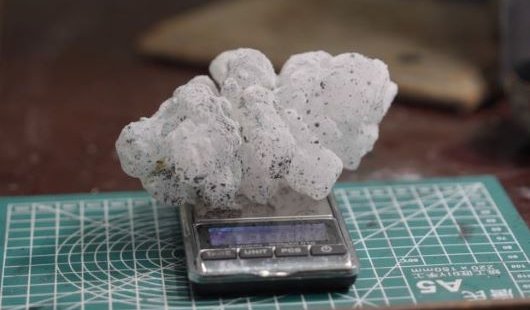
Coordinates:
103 282
123 279
46 301
123 283
93 221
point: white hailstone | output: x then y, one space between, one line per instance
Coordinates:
255 133
314 168
342 99
187 150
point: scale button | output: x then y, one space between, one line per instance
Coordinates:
255 252
291 251
328 249
218 254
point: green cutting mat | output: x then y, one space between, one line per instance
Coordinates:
424 241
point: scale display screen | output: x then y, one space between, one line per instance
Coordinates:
299 233
267 234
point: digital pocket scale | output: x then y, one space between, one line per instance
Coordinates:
297 245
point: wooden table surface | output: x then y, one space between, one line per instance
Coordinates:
70 80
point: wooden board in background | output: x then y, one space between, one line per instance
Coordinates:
439 51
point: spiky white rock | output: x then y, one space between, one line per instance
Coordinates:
255 131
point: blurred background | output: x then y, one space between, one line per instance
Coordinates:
73 73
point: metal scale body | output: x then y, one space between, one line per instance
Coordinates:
296 244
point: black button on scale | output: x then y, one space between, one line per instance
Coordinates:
255 252
285 251
328 249
218 254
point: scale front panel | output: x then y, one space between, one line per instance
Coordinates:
269 251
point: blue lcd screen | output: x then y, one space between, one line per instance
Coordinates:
267 234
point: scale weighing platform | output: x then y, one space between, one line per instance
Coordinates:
440 240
